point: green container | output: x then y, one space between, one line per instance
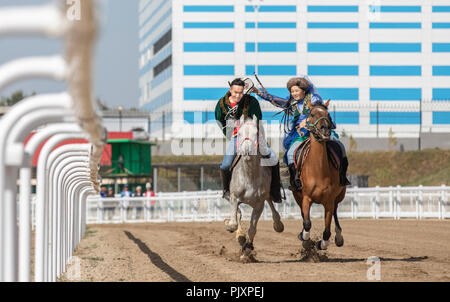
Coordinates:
130 157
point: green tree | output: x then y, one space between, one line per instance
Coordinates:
13 99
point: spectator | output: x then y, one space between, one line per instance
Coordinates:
103 192
138 192
110 192
125 192
150 193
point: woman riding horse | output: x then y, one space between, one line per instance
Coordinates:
296 111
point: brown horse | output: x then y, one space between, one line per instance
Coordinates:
320 179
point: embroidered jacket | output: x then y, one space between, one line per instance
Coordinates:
248 106
299 111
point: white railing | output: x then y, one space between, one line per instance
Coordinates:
66 175
392 202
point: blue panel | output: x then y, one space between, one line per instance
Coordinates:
395 94
273 70
333 25
161 78
441 47
441 25
395 118
345 94
345 117
333 47
199 94
395 25
441 117
384 70
208 8
441 9
333 8
194 70
395 8
440 94
270 116
272 8
198 117
271 25
208 47
332 70
395 47
152 15
161 100
271 47
441 70
208 25
158 23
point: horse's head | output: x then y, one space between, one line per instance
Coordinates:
318 122
247 136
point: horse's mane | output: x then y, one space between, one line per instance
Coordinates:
319 105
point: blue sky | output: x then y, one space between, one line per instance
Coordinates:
116 56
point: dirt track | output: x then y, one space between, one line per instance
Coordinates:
410 250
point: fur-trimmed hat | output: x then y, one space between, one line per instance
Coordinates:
300 82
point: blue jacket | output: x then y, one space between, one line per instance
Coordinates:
299 112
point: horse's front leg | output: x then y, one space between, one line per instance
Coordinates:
231 224
247 248
323 244
240 235
305 233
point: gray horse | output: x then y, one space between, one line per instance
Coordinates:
250 184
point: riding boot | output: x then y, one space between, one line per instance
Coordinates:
296 184
226 178
275 185
343 173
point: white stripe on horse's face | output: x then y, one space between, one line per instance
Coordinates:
247 138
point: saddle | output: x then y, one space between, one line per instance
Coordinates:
334 153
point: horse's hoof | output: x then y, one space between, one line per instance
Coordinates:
247 247
320 247
278 226
226 221
307 244
242 240
300 236
339 241
232 227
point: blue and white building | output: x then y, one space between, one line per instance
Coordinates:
393 55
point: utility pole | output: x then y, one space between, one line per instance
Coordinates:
420 124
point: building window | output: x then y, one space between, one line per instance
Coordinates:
163 41
167 62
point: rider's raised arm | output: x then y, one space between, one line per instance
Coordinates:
315 98
275 100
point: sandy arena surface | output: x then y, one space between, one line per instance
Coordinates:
410 250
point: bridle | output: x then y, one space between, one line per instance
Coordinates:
312 127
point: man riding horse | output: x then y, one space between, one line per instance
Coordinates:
229 109
296 110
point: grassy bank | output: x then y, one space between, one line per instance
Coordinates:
428 167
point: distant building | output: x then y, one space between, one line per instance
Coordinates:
358 54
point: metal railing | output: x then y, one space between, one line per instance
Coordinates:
66 175
391 202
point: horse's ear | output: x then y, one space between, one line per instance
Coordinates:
327 103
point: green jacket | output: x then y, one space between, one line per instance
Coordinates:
249 106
